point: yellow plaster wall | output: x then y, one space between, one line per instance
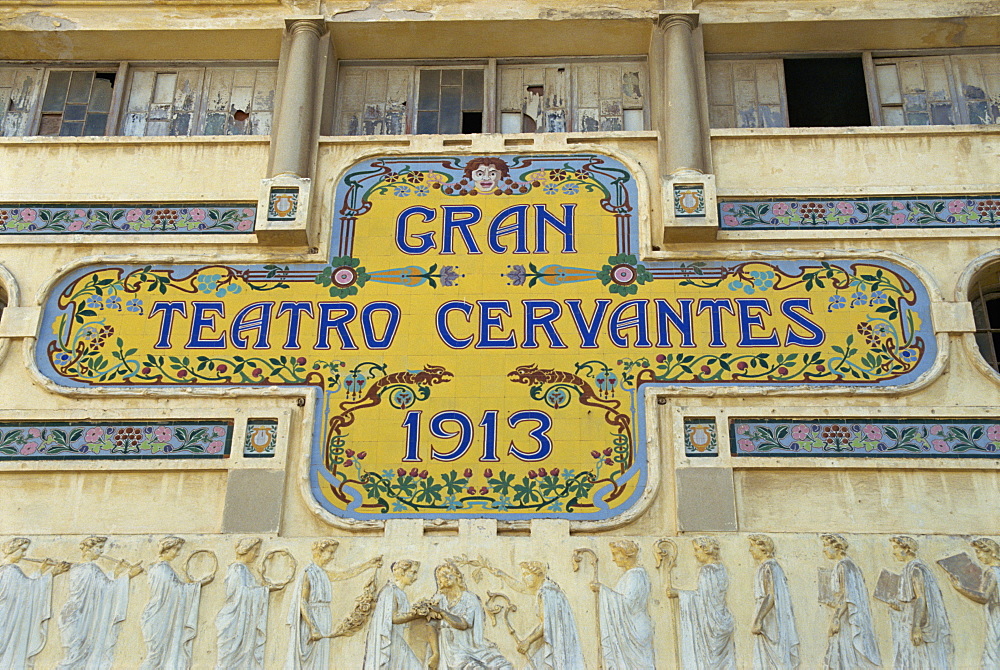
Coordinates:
791 498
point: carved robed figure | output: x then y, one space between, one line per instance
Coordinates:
95 609
626 629
170 620
25 606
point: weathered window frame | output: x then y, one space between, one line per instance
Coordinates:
880 104
30 121
350 107
200 110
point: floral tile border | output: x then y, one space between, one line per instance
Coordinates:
865 437
124 219
864 213
66 440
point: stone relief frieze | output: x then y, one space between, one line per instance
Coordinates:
739 612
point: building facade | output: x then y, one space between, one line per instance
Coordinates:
660 334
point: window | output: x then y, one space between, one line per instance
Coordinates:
585 96
200 101
76 102
171 100
911 90
984 294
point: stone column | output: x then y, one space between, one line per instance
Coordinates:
283 209
292 136
680 118
688 193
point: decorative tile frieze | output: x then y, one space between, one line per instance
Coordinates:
67 440
28 219
865 437
282 203
864 213
261 439
701 437
689 200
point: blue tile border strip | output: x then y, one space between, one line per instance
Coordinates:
46 219
955 438
109 440
860 213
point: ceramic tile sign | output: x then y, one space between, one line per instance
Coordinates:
484 334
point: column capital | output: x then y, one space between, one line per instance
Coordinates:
313 24
667 20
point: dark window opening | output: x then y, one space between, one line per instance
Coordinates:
826 92
472 122
986 312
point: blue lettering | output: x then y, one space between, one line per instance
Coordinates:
295 311
665 315
533 320
451 224
200 320
442 323
519 228
368 327
261 324
617 323
588 331
327 322
426 239
749 321
791 337
487 322
169 309
715 307
565 226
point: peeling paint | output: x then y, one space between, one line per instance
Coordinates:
374 12
38 21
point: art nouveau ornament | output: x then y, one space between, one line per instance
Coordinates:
25 605
97 605
554 643
386 647
170 620
310 618
851 642
776 641
921 634
626 631
981 586
242 622
461 639
706 624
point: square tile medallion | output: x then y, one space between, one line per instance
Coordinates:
701 437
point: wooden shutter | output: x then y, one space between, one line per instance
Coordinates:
915 91
608 96
373 100
163 102
977 79
747 94
534 98
238 101
19 91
